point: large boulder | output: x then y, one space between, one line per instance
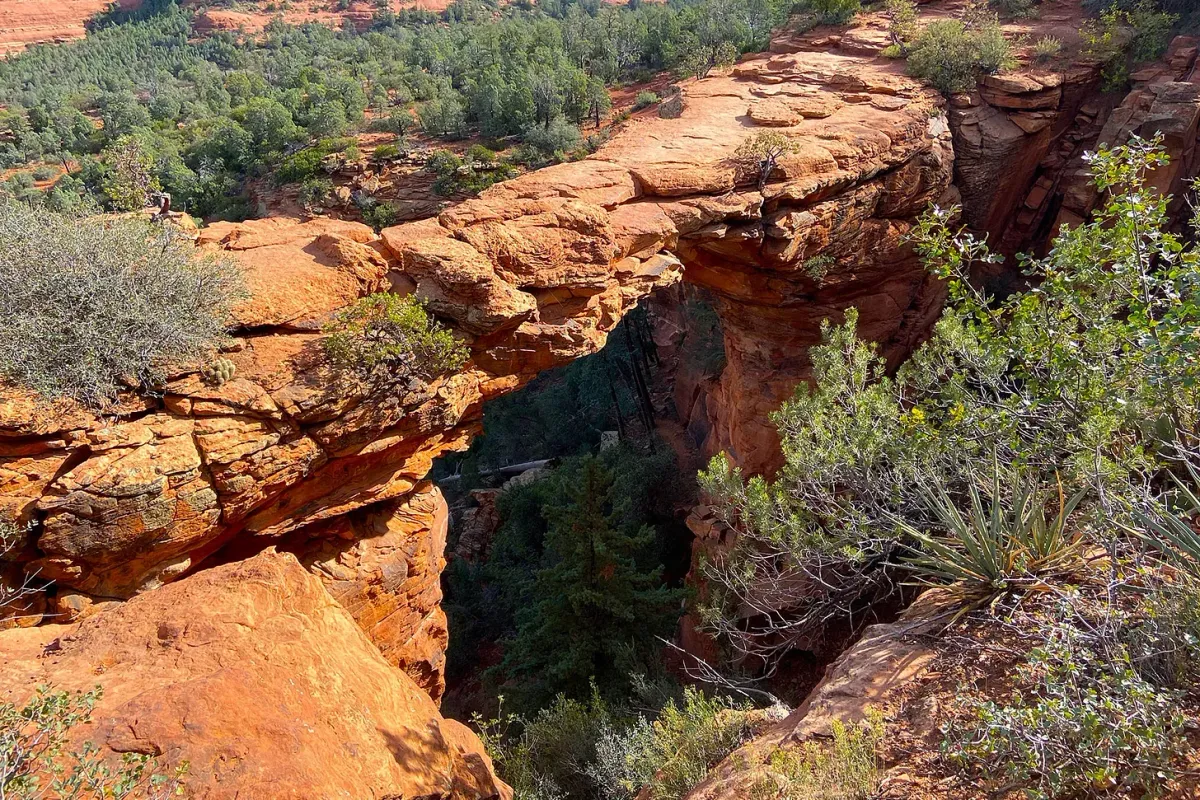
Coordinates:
257 678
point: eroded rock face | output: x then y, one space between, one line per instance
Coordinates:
383 564
872 151
867 677
253 674
28 22
125 503
1165 101
289 454
532 274
1020 142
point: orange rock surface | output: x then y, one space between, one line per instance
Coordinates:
27 22
872 152
252 674
170 500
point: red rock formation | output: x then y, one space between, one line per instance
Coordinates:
126 503
264 685
872 153
28 22
867 677
1165 100
478 525
384 564
532 274
1019 141
285 453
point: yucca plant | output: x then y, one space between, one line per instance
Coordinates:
1169 530
994 543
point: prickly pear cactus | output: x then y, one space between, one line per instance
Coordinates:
219 371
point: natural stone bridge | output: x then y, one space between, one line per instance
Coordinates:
246 667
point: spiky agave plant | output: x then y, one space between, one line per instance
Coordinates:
995 544
1168 525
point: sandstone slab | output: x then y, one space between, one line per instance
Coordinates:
265 685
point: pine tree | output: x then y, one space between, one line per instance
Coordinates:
595 599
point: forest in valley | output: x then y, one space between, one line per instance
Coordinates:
142 106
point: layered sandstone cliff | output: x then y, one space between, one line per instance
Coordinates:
1019 143
175 501
288 455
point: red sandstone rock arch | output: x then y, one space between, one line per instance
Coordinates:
534 273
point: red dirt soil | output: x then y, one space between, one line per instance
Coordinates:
26 22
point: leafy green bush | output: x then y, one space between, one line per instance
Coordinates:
949 55
1120 35
644 99
845 769
761 152
902 26
672 754
1164 643
315 191
386 341
21 180
818 267
300 166
548 755
587 750
553 141
129 179
36 762
1102 35
380 215
20 187
1152 30
1081 381
994 51
399 121
1015 8
1081 722
478 154
91 306
831 12
385 152
1046 48
470 176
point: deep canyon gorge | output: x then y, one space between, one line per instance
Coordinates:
251 571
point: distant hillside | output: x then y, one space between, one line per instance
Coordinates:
28 22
